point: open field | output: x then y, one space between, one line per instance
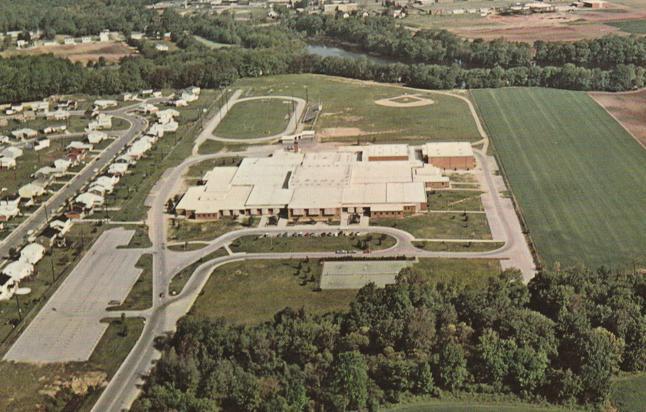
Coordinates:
577 175
627 108
458 246
455 200
628 394
251 244
630 26
461 271
27 387
560 26
111 51
255 118
442 225
350 112
252 292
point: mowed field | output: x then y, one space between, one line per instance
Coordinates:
578 176
255 118
350 113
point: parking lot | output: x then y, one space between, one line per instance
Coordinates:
68 327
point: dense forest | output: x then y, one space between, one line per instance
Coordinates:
74 17
559 339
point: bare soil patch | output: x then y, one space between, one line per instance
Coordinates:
628 109
405 100
84 53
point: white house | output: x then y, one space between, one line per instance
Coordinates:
118 169
69 41
170 126
161 47
24 133
156 130
12 152
18 270
136 35
54 129
32 253
79 146
89 200
165 116
148 108
102 121
86 39
62 224
42 143
96 137
9 209
138 149
103 104
104 36
31 190
7 163
62 165
58 115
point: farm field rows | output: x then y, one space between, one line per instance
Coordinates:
349 111
577 175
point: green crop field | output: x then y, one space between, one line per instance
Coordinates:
349 112
578 176
630 26
255 118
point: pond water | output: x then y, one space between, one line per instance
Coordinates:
329 51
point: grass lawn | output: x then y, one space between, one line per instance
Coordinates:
350 112
184 247
180 279
464 200
185 230
458 246
26 387
198 170
576 173
630 26
628 393
29 162
461 271
252 292
255 118
441 225
251 244
141 294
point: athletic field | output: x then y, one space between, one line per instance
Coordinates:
579 178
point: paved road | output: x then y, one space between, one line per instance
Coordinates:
39 218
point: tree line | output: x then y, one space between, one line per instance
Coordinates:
383 36
559 339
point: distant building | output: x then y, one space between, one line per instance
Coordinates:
450 155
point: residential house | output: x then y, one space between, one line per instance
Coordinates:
41 144
24 133
32 190
58 115
118 169
9 209
18 270
101 121
7 163
89 200
12 152
96 137
32 253
103 104
55 129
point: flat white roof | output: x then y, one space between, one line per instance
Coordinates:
386 150
447 149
